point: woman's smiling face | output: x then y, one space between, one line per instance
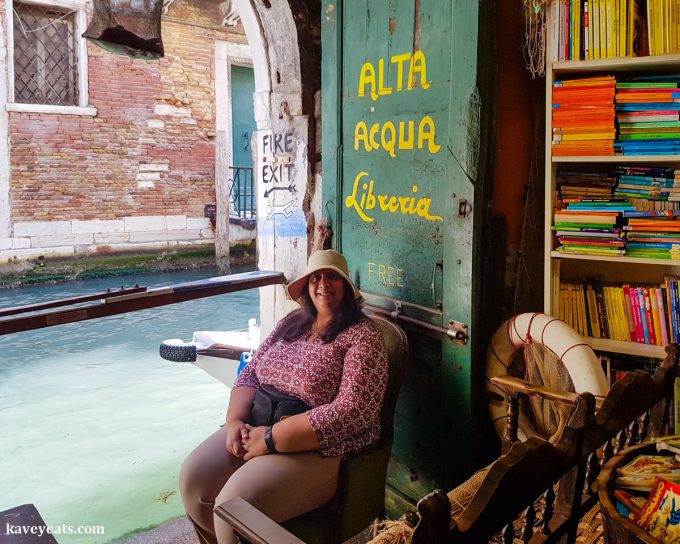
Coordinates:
326 289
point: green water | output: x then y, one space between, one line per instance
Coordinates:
94 424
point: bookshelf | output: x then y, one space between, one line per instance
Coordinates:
560 267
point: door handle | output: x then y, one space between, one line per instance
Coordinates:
439 264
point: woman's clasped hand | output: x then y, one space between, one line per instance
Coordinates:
252 441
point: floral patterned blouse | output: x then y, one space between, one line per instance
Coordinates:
343 381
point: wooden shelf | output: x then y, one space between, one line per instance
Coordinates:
619 158
620 64
613 259
628 348
564 266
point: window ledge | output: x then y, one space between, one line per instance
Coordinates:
88 111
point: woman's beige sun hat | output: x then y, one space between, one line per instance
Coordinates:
323 258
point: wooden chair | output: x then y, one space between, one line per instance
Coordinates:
361 494
539 489
557 475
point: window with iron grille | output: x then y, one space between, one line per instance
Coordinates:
45 55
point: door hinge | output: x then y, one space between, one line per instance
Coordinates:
458 332
463 208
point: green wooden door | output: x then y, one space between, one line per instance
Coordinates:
401 143
242 128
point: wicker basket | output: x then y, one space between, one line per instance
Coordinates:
617 529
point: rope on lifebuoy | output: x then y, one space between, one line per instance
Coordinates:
521 330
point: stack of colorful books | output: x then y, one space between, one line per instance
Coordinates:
574 184
648 113
586 222
583 116
647 182
588 231
655 237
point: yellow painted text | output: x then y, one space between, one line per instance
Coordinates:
363 201
390 139
417 65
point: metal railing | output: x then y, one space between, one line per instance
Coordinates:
241 192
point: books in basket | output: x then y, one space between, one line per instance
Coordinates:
660 516
641 472
669 443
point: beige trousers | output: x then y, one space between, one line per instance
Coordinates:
282 486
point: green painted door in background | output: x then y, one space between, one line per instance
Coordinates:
400 77
242 126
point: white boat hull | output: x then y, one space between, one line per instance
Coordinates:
216 352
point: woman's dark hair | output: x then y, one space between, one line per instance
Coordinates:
299 322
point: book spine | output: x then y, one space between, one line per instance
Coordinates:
627 325
575 307
632 328
571 30
651 31
612 22
656 318
572 295
596 28
623 30
582 314
666 311
643 313
601 310
603 29
591 43
610 307
586 25
554 31
630 28
673 284
650 337
662 316
567 29
578 21
619 312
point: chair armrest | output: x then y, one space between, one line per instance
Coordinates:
249 522
513 386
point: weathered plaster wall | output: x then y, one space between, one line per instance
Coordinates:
284 37
147 158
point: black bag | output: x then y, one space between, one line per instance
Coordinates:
270 405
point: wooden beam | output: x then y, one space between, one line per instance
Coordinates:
69 301
148 298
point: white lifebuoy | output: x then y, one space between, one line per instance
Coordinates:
578 357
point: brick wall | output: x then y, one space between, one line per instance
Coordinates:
149 151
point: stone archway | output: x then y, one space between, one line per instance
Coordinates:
283 163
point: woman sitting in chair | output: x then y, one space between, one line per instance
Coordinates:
328 355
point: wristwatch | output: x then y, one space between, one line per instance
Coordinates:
269 440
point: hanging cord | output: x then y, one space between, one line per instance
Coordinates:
325 230
530 261
26 32
533 41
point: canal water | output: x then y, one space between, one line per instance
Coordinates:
93 423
